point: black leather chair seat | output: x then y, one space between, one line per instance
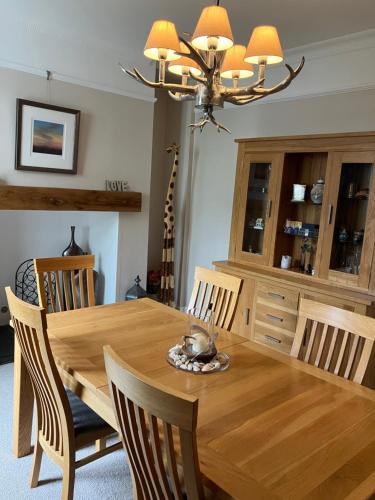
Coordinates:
84 418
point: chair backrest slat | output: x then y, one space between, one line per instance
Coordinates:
81 288
51 292
171 461
321 345
340 357
311 341
339 341
144 409
58 291
54 417
158 457
352 352
363 362
73 280
66 290
122 414
217 292
331 348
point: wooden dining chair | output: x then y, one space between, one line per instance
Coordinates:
217 292
336 340
147 413
65 283
64 422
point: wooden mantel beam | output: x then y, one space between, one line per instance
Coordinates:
43 198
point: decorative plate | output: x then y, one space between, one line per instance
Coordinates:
178 359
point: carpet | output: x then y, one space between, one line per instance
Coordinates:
105 479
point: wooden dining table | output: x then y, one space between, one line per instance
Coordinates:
268 427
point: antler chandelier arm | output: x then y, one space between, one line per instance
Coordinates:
242 91
195 56
197 78
284 84
173 87
181 97
207 118
257 89
241 101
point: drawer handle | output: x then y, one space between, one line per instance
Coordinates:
247 316
276 295
330 212
272 339
269 208
274 318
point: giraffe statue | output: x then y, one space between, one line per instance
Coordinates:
167 266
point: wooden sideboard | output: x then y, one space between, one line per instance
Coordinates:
330 241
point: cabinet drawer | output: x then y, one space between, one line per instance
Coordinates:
276 318
332 301
271 294
276 339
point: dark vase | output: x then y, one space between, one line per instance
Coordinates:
72 248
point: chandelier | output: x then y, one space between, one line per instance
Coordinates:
211 57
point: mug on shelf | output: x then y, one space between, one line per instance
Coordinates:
286 261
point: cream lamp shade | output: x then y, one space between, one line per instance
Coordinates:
184 65
234 65
162 42
213 30
264 45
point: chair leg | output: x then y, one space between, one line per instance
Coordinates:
100 444
37 460
68 481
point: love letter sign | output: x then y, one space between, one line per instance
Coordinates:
116 186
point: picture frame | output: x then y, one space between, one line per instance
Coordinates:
46 138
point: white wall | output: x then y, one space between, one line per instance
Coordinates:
29 234
115 143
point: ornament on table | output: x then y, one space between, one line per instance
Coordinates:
198 352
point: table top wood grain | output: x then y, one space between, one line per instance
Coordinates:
268 427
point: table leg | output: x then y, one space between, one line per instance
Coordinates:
23 405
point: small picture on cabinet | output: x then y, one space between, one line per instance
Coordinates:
47 138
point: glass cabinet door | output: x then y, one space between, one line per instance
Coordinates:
351 208
259 173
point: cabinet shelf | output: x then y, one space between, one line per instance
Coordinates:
309 236
306 202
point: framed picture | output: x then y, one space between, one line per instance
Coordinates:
47 138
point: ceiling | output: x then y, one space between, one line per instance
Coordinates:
126 23
83 40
